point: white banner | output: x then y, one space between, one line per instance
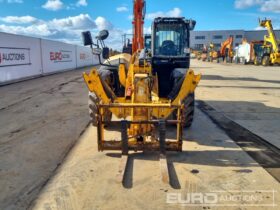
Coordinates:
84 56
61 56
20 57
58 56
14 56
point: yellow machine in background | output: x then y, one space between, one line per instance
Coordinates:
270 53
212 53
225 52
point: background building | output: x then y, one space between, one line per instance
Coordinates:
201 38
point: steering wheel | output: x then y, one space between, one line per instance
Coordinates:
168 48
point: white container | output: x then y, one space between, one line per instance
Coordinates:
243 52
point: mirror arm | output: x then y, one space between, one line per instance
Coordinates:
102 44
99 56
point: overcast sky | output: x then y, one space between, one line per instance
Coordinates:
64 20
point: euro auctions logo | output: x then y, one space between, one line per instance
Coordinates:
61 56
14 56
84 56
55 56
11 57
254 198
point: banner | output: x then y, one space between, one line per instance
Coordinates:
14 56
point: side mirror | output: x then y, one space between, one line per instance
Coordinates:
103 35
192 24
87 39
105 53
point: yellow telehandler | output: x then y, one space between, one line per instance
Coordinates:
146 90
270 50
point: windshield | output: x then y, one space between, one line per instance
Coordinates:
169 40
260 49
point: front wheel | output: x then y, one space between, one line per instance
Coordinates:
256 61
188 111
265 61
93 101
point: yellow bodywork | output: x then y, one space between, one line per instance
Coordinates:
141 102
212 54
271 40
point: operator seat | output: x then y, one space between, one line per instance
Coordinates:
168 48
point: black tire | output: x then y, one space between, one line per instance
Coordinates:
188 113
256 61
265 61
93 100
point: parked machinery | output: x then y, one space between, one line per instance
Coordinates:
204 53
145 91
212 53
242 53
246 53
127 45
226 51
256 48
269 53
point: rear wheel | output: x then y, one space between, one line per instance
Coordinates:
265 61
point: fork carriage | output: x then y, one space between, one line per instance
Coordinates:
148 141
139 133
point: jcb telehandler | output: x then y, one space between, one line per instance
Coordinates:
269 53
146 90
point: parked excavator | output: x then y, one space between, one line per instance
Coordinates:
270 52
127 45
145 91
226 51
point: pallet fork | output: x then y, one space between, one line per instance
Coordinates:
125 152
161 145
